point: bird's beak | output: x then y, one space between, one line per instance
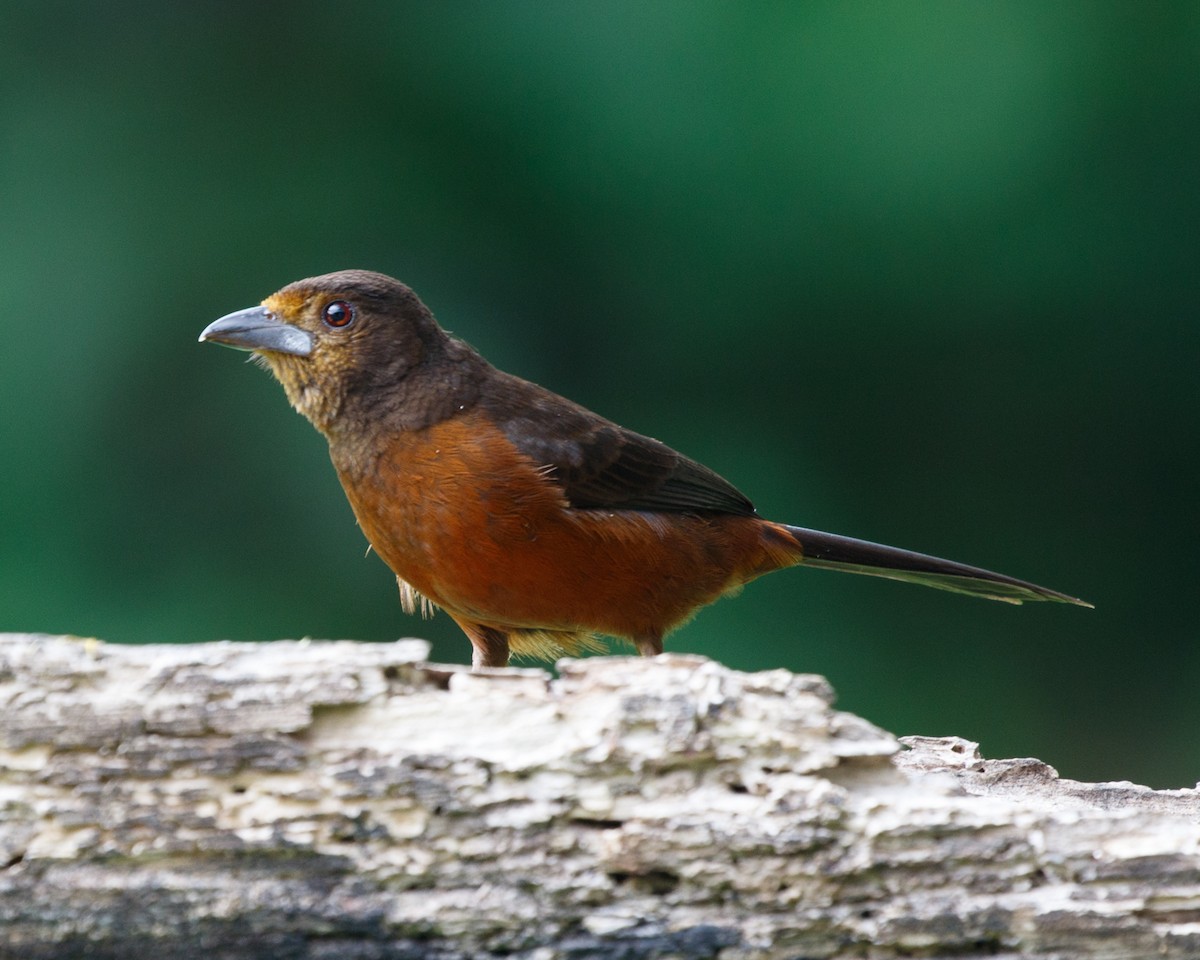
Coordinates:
258 329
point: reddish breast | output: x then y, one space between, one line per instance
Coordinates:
470 522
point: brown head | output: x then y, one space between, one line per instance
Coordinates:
356 349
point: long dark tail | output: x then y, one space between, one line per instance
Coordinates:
829 551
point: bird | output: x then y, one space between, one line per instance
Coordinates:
539 526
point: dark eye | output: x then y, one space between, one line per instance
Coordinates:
338 314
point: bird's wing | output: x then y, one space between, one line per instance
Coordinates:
601 465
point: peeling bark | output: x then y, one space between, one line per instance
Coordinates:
342 800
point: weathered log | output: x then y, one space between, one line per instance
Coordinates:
346 800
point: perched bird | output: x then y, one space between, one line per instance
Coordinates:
535 523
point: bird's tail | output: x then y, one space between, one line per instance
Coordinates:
831 552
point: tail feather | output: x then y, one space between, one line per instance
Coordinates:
831 552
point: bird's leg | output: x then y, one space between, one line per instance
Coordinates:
489 645
649 645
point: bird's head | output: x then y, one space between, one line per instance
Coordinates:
348 346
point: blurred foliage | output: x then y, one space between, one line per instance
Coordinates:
921 272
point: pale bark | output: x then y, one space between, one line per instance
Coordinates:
345 800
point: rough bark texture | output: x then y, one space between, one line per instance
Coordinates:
344 800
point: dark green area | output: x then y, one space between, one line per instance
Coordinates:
919 272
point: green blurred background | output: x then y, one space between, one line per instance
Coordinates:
920 272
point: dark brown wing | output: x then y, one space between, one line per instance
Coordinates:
599 464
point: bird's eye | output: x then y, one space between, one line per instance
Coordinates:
338 314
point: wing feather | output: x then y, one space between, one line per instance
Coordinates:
601 465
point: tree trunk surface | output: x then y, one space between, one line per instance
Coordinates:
346 800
